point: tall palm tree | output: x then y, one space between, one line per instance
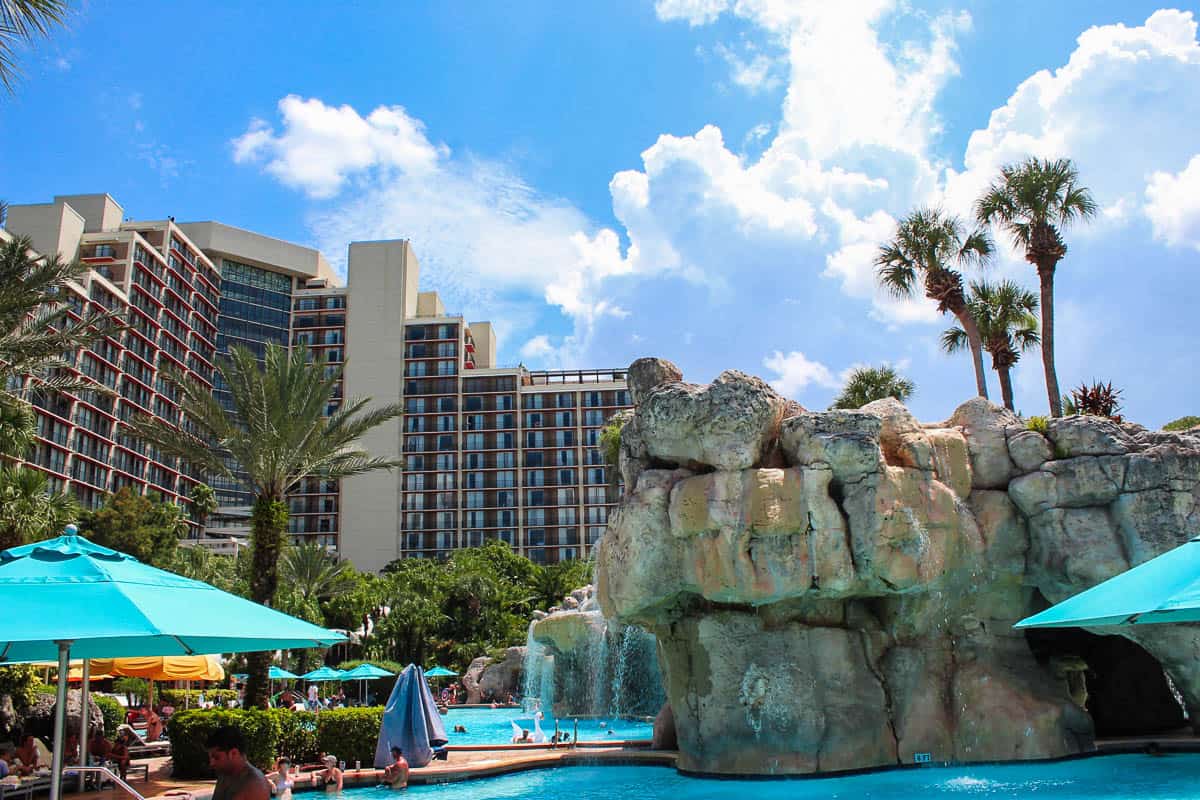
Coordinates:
867 384
18 427
1033 201
314 573
204 505
930 247
20 21
29 511
1006 314
275 434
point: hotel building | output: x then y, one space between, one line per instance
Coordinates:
487 452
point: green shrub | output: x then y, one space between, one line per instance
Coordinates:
134 689
349 733
22 684
189 730
1182 424
114 713
610 442
297 735
1038 424
176 697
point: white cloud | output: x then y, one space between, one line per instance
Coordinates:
754 72
1173 205
537 348
796 371
321 146
695 12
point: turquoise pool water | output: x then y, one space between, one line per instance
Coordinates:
494 726
1172 777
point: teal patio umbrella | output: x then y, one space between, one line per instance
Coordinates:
278 674
1163 589
441 672
364 673
68 597
325 673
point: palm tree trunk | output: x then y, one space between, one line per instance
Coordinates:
268 524
1006 386
975 342
1046 279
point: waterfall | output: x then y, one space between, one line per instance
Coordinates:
537 683
637 688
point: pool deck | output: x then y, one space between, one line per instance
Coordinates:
477 761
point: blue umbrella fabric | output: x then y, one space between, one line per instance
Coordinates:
1163 589
279 674
110 605
410 721
68 596
365 672
440 672
325 673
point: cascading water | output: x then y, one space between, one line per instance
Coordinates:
577 663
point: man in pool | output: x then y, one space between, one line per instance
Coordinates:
237 779
396 773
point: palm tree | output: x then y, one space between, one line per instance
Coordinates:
20 21
314 573
1006 314
275 434
1032 201
18 426
29 511
867 384
928 247
36 327
204 504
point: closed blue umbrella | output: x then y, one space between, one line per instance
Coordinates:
1163 589
69 597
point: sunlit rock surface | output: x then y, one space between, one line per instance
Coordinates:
837 590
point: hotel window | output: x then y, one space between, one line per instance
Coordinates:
568 536
504 402
414 444
415 369
473 460
567 554
505 421
446 404
597 515
535 477
414 462
535 516
506 518
593 418
506 498
566 477
414 424
446 367
473 422
505 536
566 400
505 439
564 419
474 441
445 422
415 405
474 499
474 538
567 516
506 480
596 495
591 437
445 541
534 439
447 331
414 501
446 349
535 497
533 420
445 480
537 555
564 438
622 398
566 497
473 480
414 483
414 521
413 541
506 459
594 475
445 519
473 403
532 401
592 457
446 442
591 399
473 519
537 536
534 459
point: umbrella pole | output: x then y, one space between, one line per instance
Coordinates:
60 719
84 719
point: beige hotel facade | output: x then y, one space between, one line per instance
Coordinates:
488 452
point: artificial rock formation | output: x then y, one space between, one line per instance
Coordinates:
837 590
487 679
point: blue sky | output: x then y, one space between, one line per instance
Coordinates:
703 180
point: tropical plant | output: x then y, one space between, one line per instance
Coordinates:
144 526
204 505
867 384
275 433
929 248
1182 424
36 327
18 427
314 573
20 21
1098 399
29 511
1032 201
1006 315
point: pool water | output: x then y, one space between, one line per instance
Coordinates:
494 726
1170 777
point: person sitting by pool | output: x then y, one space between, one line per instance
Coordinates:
154 725
119 751
396 773
524 738
7 767
27 754
331 776
281 781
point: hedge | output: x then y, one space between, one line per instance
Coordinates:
114 713
176 697
189 730
348 733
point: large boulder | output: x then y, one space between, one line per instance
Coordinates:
647 373
502 678
39 719
471 677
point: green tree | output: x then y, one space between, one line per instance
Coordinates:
1033 201
311 575
1182 424
868 384
29 511
20 22
276 433
1006 315
144 526
929 248
204 505
553 582
18 427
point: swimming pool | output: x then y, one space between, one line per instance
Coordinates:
1169 777
494 726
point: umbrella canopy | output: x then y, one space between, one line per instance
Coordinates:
278 674
366 672
132 609
323 674
440 672
68 594
1163 589
155 668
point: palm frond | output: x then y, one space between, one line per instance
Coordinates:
954 340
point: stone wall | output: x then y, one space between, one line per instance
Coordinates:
837 590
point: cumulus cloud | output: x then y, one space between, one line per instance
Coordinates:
1173 205
694 12
796 371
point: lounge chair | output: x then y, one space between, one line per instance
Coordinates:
140 748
